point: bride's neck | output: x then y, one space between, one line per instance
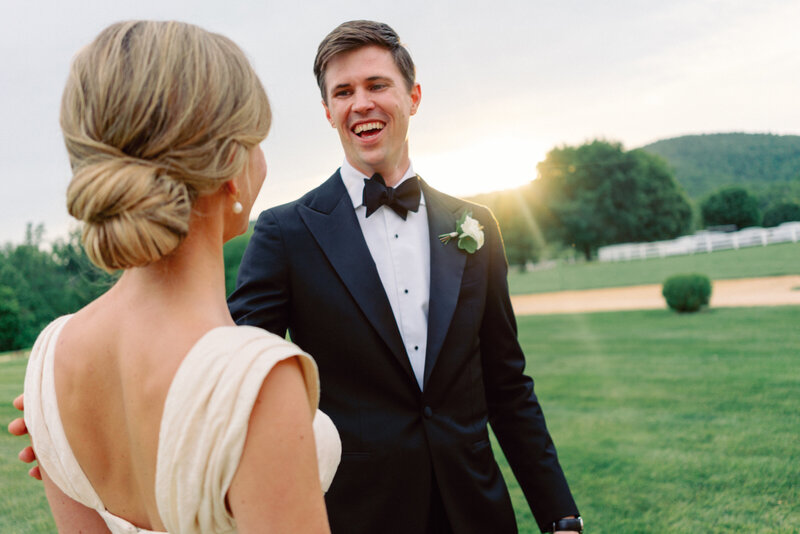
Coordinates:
189 282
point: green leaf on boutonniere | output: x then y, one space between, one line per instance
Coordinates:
468 244
469 232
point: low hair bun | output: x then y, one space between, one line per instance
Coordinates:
134 213
155 114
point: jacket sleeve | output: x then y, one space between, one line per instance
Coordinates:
514 411
262 293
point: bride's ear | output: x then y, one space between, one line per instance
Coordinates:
231 188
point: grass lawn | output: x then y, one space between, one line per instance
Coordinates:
673 423
772 260
23 507
664 423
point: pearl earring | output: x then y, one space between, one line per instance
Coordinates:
237 207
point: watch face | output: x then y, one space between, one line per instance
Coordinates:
572 523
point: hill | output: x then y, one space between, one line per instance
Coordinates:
759 162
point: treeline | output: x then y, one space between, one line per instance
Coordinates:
39 283
767 165
598 194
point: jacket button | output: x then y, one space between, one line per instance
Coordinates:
427 412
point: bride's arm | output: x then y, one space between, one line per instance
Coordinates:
70 515
277 481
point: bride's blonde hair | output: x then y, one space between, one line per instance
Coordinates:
154 114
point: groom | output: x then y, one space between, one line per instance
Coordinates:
415 338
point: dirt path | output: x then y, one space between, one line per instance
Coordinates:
771 291
13 355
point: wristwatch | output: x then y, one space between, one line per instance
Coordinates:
573 523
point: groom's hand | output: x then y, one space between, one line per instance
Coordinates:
17 427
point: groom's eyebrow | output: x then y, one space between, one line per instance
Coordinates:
380 78
377 77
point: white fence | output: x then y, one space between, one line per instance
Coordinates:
702 241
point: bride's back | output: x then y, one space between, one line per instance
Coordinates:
112 371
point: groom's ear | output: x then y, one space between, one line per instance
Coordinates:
328 114
416 97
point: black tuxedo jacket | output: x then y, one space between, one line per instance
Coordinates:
307 269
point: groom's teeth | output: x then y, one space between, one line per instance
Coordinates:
367 126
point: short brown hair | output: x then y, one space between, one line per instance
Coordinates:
356 34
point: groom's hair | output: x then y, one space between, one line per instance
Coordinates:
356 34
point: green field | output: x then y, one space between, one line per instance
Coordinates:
23 508
664 423
673 423
750 262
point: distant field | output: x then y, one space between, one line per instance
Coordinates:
664 423
750 262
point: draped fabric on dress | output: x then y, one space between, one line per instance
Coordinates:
202 430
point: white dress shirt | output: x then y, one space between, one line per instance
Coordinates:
401 251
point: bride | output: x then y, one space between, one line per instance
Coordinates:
149 410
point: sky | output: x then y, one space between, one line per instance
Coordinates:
502 83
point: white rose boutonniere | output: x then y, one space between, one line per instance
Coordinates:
469 233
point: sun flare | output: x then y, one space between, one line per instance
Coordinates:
488 164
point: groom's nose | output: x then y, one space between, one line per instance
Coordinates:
362 101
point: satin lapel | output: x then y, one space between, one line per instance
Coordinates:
447 267
339 236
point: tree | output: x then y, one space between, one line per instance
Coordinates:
45 284
232 252
24 304
598 194
774 194
521 235
731 205
9 319
515 215
81 280
781 213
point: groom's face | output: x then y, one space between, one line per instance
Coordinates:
369 104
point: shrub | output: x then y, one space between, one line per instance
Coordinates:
687 292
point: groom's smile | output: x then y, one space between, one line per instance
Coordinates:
368 129
369 104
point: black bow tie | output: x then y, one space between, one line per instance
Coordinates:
401 199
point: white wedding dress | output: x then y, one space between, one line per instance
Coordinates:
202 431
